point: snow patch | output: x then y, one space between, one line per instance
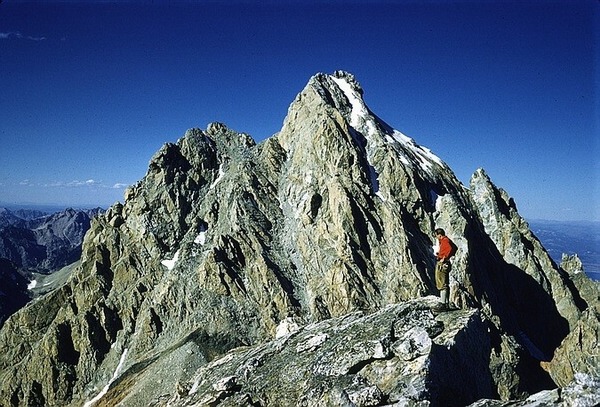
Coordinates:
425 158
194 388
113 378
169 264
201 238
439 203
32 285
286 327
359 110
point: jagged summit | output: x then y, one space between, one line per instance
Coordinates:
226 242
370 134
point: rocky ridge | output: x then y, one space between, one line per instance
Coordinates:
326 226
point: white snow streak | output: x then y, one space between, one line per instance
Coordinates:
113 378
360 114
219 177
423 155
194 388
439 203
359 110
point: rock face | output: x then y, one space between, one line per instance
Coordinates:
325 227
579 352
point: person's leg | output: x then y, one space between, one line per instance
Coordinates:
442 271
440 279
444 294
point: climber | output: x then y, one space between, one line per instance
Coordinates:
445 251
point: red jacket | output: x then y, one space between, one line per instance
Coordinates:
445 251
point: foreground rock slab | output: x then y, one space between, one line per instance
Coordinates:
401 354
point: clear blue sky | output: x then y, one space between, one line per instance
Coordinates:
90 90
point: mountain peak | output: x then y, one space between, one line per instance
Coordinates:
350 79
224 239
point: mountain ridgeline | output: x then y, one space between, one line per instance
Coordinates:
299 271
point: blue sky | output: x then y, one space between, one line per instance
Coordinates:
89 91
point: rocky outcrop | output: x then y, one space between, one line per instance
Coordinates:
579 352
326 226
526 270
571 263
399 354
583 391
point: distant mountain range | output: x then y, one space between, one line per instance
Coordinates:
34 246
571 237
43 242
